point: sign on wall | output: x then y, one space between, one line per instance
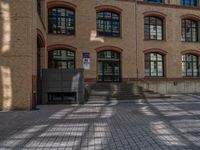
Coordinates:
86 61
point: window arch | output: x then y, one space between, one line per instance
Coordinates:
109 66
61 59
153 28
108 23
41 39
189 30
154 65
61 20
191 3
190 65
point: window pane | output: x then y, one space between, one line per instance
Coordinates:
61 21
61 59
153 56
183 35
192 3
159 32
159 57
146 20
100 68
189 30
190 65
146 32
153 28
108 24
152 20
70 64
107 15
115 16
115 27
154 65
147 72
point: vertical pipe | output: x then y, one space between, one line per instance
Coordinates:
136 42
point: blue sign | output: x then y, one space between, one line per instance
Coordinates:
86 55
86 61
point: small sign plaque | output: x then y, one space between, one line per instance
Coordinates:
86 61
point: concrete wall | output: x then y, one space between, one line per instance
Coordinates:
172 87
63 81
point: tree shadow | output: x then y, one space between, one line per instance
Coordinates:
108 125
6 93
15 55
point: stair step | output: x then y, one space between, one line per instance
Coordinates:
119 91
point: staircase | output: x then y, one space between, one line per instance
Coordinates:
118 91
113 91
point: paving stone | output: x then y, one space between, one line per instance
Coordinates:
156 124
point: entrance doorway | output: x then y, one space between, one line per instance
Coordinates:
109 66
39 46
37 87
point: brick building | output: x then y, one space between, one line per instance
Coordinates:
154 42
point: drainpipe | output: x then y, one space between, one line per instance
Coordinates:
136 40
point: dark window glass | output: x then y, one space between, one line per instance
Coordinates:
153 28
62 59
61 21
109 68
108 55
189 30
192 3
154 65
108 24
155 1
190 67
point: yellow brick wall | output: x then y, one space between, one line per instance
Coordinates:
16 31
172 45
85 40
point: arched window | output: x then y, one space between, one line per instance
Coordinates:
109 68
190 67
189 30
192 3
61 21
61 59
108 24
153 28
154 65
155 1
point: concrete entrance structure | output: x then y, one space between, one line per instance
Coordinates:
62 81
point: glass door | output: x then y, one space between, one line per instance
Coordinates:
108 71
109 67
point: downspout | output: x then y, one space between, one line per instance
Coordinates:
136 41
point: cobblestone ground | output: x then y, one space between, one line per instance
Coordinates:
154 124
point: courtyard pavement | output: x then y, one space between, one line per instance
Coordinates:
151 124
